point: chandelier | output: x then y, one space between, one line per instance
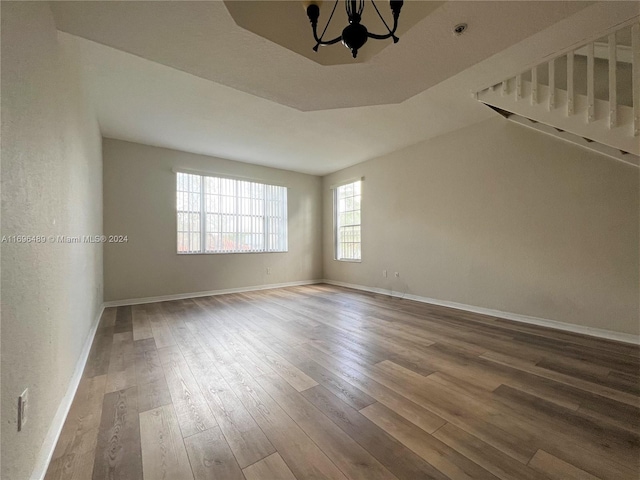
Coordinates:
355 35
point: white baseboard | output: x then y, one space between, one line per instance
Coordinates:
516 317
181 296
50 441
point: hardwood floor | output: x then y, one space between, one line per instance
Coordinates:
325 382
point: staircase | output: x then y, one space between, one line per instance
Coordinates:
589 96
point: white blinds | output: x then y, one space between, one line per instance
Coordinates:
223 215
348 239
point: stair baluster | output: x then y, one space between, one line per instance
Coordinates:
613 92
534 86
570 94
591 108
635 42
552 84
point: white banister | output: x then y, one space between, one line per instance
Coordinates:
635 45
584 107
590 84
552 84
613 93
570 94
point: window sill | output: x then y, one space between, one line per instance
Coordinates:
227 253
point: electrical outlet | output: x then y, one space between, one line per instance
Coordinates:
384 273
23 401
397 274
268 270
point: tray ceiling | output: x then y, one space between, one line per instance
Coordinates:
203 39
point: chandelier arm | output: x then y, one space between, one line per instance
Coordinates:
328 42
319 40
383 37
391 34
383 20
315 35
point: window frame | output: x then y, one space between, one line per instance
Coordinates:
281 214
336 223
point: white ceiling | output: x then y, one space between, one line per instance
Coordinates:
183 75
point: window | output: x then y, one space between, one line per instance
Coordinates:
347 210
223 215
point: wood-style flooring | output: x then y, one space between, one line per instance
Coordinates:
322 382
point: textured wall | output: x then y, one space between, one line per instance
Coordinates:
502 217
139 201
51 185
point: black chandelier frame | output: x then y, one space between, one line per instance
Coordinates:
355 35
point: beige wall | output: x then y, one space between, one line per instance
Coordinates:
51 185
139 201
501 217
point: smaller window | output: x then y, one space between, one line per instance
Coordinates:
347 211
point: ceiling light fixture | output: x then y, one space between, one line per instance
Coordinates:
355 35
